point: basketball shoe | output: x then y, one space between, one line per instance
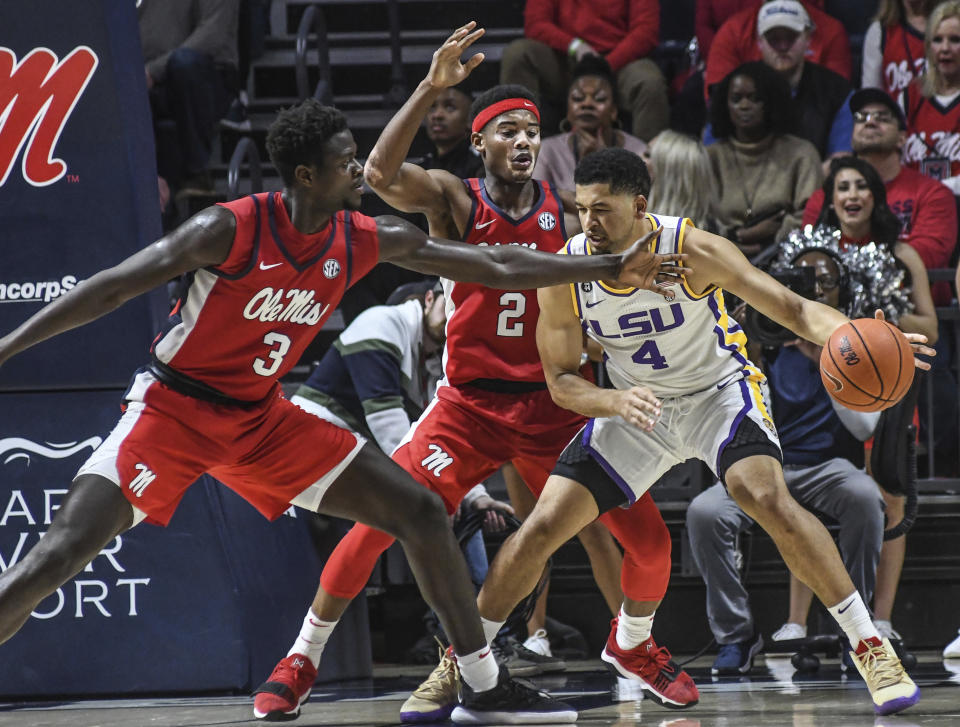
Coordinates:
435 698
659 676
279 698
890 686
510 702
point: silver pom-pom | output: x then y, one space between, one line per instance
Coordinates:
875 278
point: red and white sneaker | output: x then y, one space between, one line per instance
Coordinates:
279 698
651 665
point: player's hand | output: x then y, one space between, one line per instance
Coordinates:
917 341
640 268
638 406
446 70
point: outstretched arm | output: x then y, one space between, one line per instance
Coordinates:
408 187
203 240
560 341
512 267
717 261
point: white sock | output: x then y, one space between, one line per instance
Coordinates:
633 630
490 629
479 669
854 619
312 638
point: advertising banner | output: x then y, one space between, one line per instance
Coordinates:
78 183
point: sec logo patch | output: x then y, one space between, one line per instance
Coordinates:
547 221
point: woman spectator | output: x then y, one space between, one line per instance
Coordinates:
932 102
591 124
763 174
682 180
893 52
858 208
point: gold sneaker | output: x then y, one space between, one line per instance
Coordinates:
890 686
434 700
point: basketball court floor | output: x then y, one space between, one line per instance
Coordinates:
772 695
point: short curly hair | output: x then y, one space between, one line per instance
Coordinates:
500 93
773 90
623 170
298 134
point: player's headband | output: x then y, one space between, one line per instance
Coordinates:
501 107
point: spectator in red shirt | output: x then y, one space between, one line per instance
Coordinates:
560 32
925 207
737 42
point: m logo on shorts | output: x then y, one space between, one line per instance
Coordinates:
144 478
437 461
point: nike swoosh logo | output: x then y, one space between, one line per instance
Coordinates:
846 607
264 266
596 302
485 224
837 383
526 103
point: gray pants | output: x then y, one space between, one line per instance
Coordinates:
835 488
641 87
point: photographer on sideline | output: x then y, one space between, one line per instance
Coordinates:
822 466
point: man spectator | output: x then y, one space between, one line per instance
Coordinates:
736 41
190 50
560 32
925 206
822 455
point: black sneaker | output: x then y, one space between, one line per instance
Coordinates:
547 664
510 702
506 651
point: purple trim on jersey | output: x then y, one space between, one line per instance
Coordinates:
676 236
272 218
656 245
607 467
256 248
471 218
538 203
563 225
580 308
731 347
747 403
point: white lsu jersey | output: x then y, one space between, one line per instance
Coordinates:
674 348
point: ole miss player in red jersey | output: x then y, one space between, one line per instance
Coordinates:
493 405
264 274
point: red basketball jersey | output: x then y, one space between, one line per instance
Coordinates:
242 325
903 57
933 135
491 334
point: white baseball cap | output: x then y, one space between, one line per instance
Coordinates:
783 14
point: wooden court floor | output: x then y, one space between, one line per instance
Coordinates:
772 695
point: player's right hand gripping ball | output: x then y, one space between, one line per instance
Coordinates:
867 365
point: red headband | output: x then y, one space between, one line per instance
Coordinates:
501 107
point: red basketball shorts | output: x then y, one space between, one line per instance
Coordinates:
466 434
271 453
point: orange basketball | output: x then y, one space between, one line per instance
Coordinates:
867 365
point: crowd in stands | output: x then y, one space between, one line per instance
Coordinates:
778 135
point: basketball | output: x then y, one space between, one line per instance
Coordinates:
867 365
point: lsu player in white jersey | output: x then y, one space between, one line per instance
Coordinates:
684 388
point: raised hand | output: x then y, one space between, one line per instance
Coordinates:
917 341
446 70
640 268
